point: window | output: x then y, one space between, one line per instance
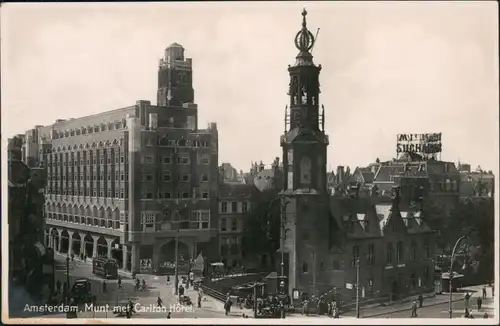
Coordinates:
371 254
185 195
185 178
234 207
167 195
149 194
167 177
223 223
204 195
196 192
355 255
184 160
304 268
426 249
234 224
148 159
224 207
413 251
200 219
204 159
167 160
389 254
204 177
149 177
399 251
148 220
305 170
244 207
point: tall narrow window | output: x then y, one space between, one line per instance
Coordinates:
389 254
305 170
400 251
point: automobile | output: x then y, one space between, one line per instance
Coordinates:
81 290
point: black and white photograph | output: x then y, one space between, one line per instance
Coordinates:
266 162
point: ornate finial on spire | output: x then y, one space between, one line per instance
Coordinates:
304 40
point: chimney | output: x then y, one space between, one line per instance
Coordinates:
340 173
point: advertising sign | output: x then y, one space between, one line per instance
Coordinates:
426 145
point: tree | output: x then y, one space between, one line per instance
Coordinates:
262 225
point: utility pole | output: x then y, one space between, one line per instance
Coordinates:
452 259
176 282
67 279
357 288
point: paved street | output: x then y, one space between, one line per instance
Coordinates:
441 310
147 307
436 307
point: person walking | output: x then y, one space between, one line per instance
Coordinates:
119 282
414 309
104 287
484 292
467 298
479 303
199 299
227 305
159 302
420 300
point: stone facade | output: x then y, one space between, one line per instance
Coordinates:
122 182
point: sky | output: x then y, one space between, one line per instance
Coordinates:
388 68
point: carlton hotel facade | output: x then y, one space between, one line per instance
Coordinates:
121 183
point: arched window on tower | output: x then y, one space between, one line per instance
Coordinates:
305 170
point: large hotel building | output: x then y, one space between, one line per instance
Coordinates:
126 182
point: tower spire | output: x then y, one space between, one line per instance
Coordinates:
304 41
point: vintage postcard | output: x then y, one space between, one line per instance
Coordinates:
250 162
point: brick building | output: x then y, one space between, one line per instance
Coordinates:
325 235
120 183
436 181
27 254
235 202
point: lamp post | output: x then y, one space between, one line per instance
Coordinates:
357 288
282 238
451 273
67 279
176 282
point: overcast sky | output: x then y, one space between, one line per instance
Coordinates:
388 67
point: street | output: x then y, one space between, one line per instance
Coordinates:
441 310
145 302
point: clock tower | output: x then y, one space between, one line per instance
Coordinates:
305 196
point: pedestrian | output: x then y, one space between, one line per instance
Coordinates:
467 297
484 292
199 300
479 302
104 287
191 278
169 315
168 279
119 282
227 305
485 315
330 309
72 257
414 309
420 300
159 302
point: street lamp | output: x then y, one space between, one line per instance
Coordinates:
451 273
67 278
176 282
357 288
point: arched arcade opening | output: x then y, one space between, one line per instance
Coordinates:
167 252
64 242
55 239
77 243
89 245
102 247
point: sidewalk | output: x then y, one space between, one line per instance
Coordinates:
121 272
378 309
